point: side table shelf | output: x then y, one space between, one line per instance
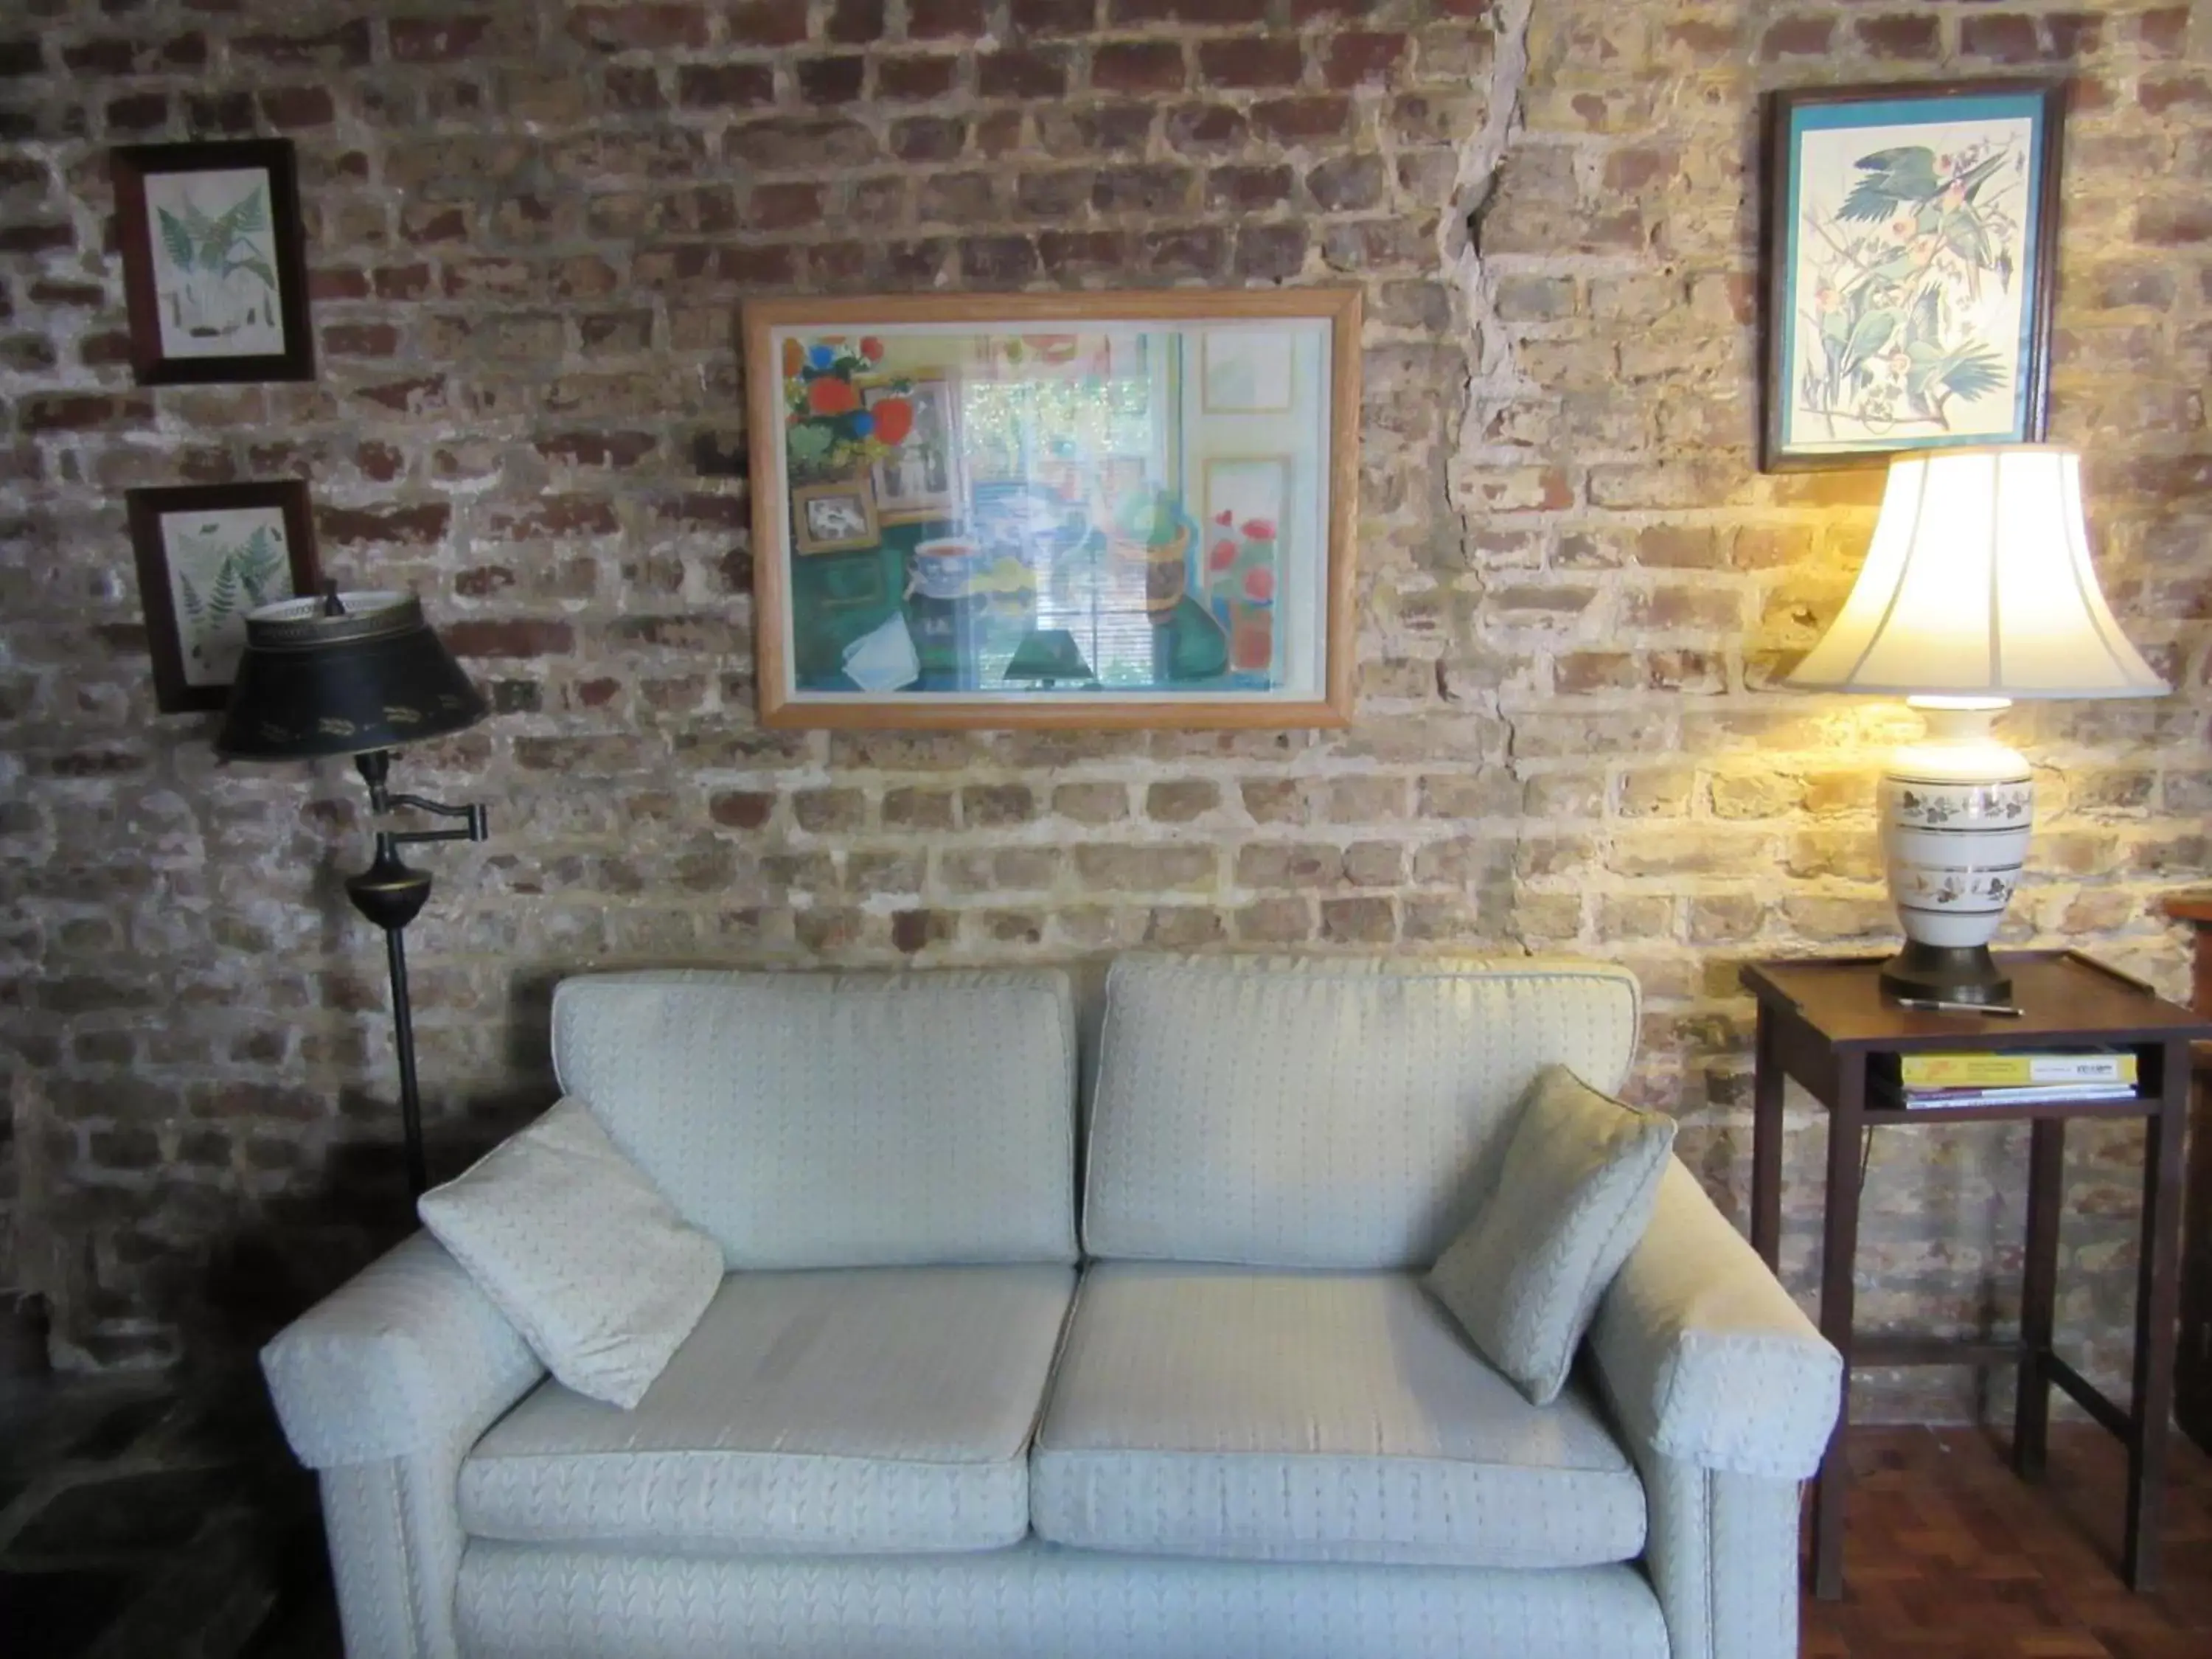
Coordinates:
1823 1022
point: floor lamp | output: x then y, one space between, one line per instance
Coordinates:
360 674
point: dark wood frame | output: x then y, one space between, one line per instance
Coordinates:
1825 1023
1339 305
1775 163
172 693
131 166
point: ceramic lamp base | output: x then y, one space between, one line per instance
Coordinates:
1957 809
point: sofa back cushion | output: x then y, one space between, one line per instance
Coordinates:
839 1120
1325 1113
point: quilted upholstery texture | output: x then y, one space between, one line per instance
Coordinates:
1581 1170
521 1601
1723 1558
1332 1417
1327 1113
1702 1352
406 1354
839 1120
841 1412
584 1257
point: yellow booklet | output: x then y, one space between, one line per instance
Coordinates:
1976 1069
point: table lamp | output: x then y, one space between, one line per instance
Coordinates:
360 674
1977 590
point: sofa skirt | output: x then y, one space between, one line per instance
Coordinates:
538 1601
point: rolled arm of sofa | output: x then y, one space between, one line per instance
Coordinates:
1705 1356
382 1387
404 1357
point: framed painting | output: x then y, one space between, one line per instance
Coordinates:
1100 510
213 271
207 554
1909 243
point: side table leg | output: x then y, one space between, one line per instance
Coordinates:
2158 1310
2038 1295
1840 1243
1766 1082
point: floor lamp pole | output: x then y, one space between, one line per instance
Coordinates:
391 893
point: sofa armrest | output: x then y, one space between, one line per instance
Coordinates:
407 1356
1704 1356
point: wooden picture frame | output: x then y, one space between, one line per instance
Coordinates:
1061 578
207 554
837 516
214 267
1909 254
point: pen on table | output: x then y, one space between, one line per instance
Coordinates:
1935 1005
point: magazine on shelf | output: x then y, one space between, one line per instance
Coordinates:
2022 1095
1986 1069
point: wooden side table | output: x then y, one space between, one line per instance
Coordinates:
1822 1022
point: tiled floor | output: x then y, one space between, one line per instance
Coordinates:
138 1522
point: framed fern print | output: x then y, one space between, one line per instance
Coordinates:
212 268
207 555
1910 242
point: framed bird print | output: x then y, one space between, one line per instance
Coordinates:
1909 239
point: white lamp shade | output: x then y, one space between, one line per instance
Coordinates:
1978 584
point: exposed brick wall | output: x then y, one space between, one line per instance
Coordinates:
529 225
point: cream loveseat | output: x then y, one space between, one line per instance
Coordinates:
938 1409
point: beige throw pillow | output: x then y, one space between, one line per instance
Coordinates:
579 1251
1581 1172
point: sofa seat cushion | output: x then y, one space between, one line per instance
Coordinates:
1313 1417
857 1411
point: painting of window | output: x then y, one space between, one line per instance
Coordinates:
1043 471
1911 232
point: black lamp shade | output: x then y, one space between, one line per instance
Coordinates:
372 675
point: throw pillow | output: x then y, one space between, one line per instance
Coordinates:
1581 1172
579 1251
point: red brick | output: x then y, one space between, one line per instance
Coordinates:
1251 62
740 809
515 637
83 412
767 23
1052 16
1138 66
142 112
783 207
1353 59
1243 188
931 76
1021 74
409 397
1900 36
1298 120
1083 253
2004 38
1124 12
346 46
2158 95
855 22
290 109
1797 37
1272 251
830 80
720 86
436 39
2170 224
19 57
36 239
997 258
554 515
2165 31
927 138
415 526
929 19
378 461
